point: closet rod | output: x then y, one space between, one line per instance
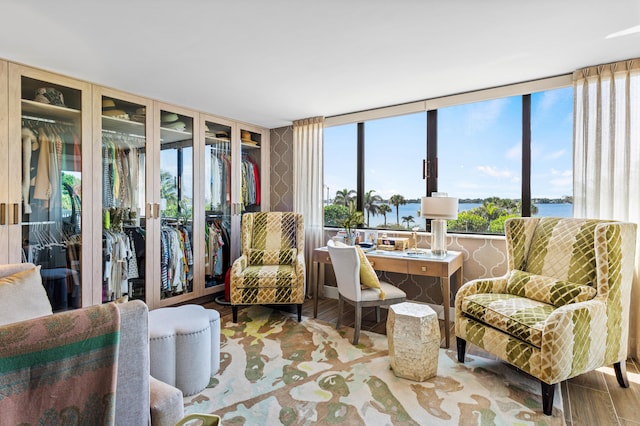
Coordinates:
47 120
46 222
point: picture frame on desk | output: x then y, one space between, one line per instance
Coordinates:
370 236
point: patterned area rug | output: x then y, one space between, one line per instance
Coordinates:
275 370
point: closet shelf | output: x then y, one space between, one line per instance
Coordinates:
170 135
120 125
46 110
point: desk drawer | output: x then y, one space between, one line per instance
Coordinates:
431 269
389 265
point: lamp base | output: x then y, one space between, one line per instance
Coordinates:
439 237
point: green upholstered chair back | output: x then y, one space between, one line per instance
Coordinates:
272 238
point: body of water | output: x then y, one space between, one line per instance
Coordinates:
413 209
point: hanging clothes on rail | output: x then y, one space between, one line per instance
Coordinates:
217 250
220 178
118 253
44 148
120 172
250 182
176 260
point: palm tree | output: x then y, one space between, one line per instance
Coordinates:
344 196
408 219
383 209
397 200
370 205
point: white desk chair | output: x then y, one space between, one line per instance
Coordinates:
346 265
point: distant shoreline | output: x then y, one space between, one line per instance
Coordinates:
413 209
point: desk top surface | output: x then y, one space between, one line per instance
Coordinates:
421 254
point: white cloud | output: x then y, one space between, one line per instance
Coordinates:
563 173
555 155
494 172
515 153
483 114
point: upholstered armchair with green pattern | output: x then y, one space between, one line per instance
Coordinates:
271 269
562 309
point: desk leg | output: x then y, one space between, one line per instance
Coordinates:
445 283
316 266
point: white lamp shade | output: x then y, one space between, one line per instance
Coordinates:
439 208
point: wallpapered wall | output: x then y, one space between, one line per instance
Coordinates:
484 256
282 169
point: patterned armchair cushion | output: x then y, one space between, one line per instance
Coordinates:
518 316
272 257
547 289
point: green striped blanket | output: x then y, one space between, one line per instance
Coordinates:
60 369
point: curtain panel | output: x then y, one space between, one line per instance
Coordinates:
308 182
606 172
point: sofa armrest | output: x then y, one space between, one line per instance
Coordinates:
166 404
132 392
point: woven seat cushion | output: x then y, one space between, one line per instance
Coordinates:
518 316
268 276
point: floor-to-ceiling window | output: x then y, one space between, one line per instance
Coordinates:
502 156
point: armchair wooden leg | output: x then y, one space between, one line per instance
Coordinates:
621 373
234 310
461 345
547 398
299 312
340 308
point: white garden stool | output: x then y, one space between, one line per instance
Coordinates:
413 335
184 346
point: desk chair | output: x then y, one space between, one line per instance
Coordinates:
348 264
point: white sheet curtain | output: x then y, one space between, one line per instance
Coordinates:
308 170
606 180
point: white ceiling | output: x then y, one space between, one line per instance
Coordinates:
272 62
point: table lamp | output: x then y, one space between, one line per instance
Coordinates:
439 207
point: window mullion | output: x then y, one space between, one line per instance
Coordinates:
526 156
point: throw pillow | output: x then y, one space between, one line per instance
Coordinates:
368 276
548 289
22 297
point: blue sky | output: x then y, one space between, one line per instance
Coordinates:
479 148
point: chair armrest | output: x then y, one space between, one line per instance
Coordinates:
481 285
582 329
300 266
239 265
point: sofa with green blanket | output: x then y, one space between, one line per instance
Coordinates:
82 366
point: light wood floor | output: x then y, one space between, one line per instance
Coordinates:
593 398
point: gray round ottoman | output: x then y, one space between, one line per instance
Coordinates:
184 346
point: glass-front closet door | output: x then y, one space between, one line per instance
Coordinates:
217 202
46 169
250 169
176 203
126 213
